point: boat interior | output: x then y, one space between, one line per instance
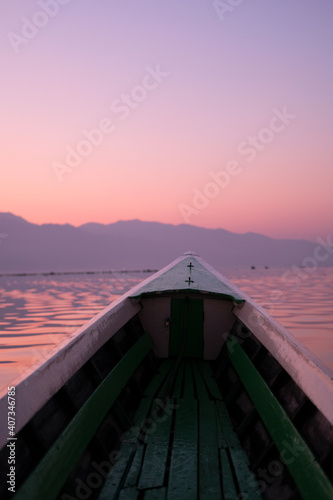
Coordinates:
132 424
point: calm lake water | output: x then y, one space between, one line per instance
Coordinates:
37 312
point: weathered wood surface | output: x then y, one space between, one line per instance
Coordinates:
303 467
189 449
48 478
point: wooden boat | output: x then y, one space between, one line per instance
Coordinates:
184 388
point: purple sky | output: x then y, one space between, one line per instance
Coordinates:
218 119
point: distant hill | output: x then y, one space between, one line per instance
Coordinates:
134 244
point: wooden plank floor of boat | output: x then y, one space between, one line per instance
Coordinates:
182 445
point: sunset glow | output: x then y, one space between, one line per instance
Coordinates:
169 111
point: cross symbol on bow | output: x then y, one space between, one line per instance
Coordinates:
189 281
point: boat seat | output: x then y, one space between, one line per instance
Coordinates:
182 444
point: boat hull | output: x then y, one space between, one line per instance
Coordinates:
186 360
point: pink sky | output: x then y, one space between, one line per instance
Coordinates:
179 92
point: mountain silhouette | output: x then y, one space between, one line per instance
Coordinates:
135 244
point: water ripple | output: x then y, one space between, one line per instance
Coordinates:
48 309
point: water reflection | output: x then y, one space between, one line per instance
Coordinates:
304 307
37 312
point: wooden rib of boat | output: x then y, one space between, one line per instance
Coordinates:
184 388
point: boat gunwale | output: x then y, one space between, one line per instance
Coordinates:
36 385
41 381
309 372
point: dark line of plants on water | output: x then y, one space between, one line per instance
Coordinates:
51 273
66 273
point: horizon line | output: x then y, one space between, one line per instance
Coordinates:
156 222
